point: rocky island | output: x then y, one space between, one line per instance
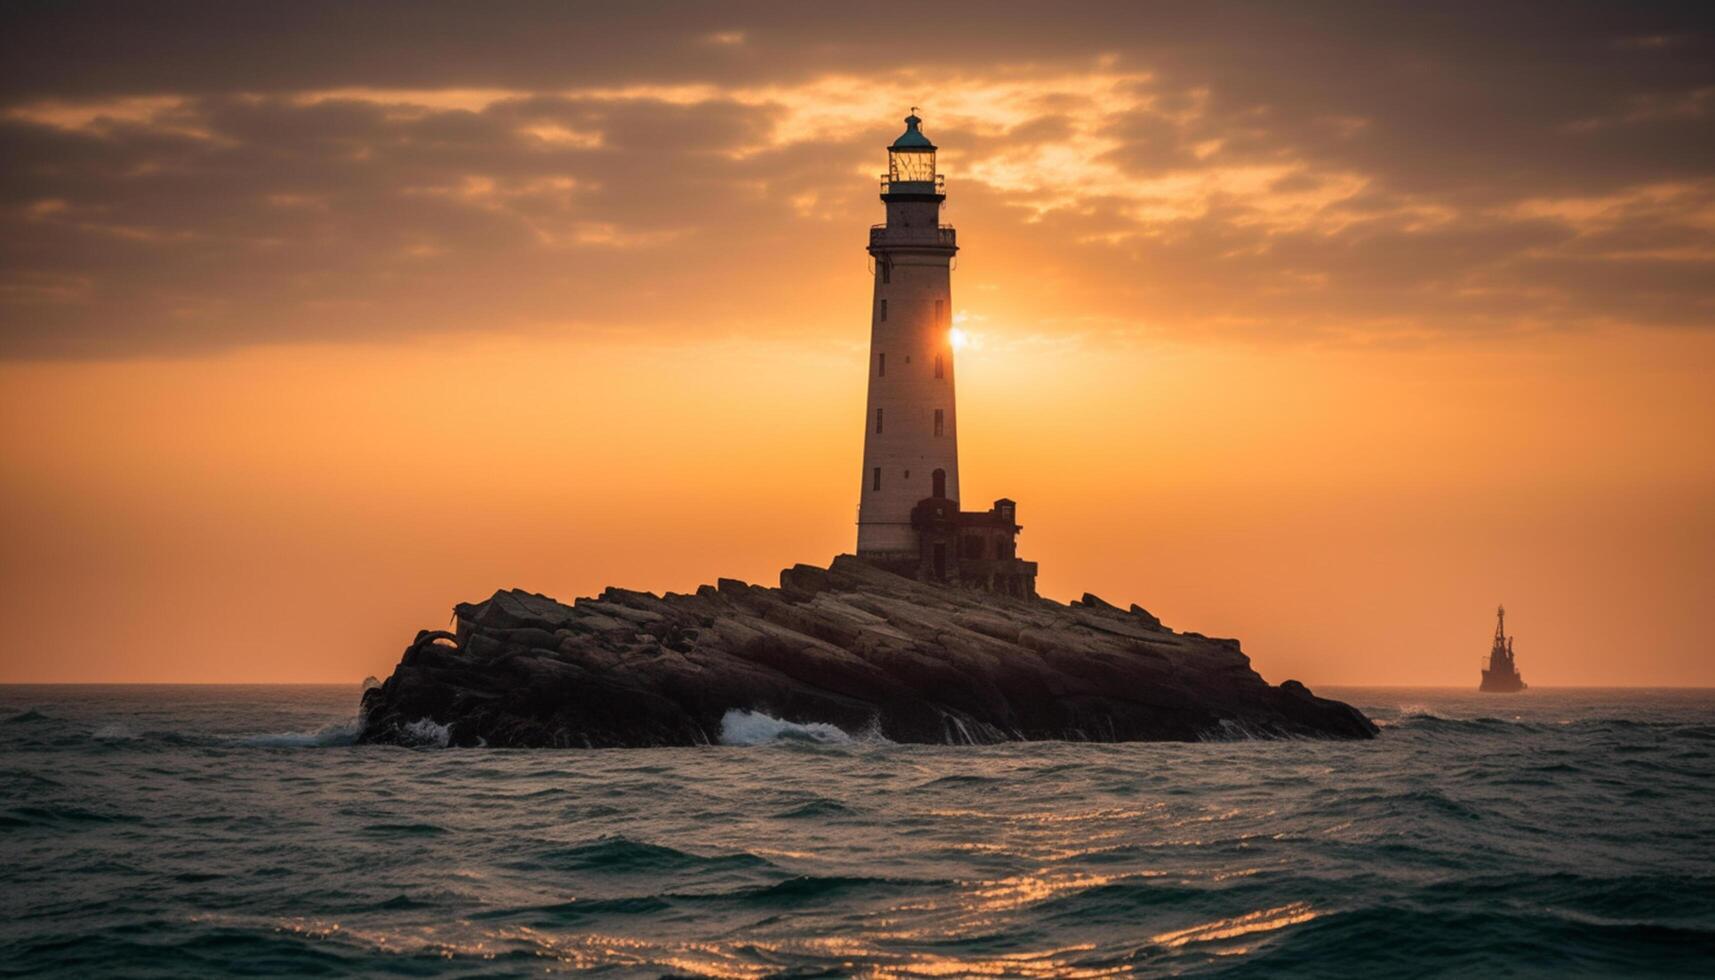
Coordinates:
853 646
932 632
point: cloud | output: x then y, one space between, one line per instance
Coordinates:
204 177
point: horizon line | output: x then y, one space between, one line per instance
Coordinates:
344 683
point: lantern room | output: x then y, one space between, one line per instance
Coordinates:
911 163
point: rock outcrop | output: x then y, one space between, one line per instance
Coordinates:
850 645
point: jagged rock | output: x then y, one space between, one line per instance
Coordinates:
804 580
1143 614
852 645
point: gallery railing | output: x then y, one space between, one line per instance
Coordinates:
891 185
940 235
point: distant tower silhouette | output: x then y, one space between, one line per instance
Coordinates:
910 443
1501 673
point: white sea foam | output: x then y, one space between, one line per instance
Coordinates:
424 731
756 728
338 733
1230 730
115 732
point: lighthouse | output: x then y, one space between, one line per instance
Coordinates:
911 437
908 508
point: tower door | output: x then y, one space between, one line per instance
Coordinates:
940 562
938 480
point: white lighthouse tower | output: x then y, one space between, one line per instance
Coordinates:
911 443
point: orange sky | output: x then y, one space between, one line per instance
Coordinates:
1316 351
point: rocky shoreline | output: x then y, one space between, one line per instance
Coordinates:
851 646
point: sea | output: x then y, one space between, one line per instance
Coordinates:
152 831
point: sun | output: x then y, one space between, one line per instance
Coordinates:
957 338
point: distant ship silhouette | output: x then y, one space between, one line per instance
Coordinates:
1501 676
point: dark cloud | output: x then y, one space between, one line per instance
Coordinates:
195 176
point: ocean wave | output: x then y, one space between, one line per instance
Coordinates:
24 781
1406 802
959 779
818 808
559 914
1534 941
1425 721
1228 730
1428 720
394 830
805 888
756 728
338 733
1099 898
59 815
622 855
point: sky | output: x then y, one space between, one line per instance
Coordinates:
1326 326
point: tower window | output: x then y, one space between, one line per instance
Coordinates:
886 271
939 419
883 309
876 484
939 368
881 365
878 421
937 313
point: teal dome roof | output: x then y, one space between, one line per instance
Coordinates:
912 138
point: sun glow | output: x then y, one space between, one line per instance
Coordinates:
958 338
